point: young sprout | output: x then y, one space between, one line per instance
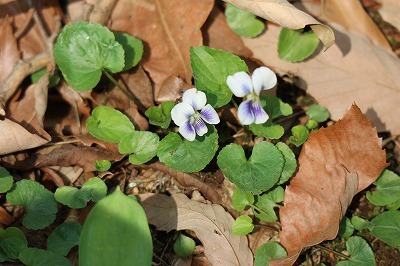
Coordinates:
241 84
191 114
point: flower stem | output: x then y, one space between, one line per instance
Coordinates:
234 103
125 91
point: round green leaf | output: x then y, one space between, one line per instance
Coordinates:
299 135
109 124
41 257
267 252
243 225
38 202
188 156
184 246
210 69
103 165
160 115
141 145
290 164
346 228
64 237
94 189
360 223
241 199
311 124
296 45
318 113
12 242
6 180
83 50
116 232
387 189
259 173
387 227
268 130
360 253
133 48
242 22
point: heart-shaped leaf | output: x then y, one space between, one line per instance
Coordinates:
296 45
83 50
387 189
242 22
243 225
140 145
261 172
267 252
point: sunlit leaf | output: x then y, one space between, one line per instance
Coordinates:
242 225
241 199
140 145
360 253
242 22
296 45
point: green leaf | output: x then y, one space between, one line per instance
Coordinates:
140 145
268 130
41 257
103 165
38 202
393 206
83 50
242 22
299 135
387 189
64 237
346 228
188 156
54 79
243 225
318 113
184 246
109 124
210 69
133 48
266 203
241 199
360 223
259 173
296 45
387 227
290 164
6 180
3 256
267 252
116 232
94 189
311 124
12 242
160 115
360 252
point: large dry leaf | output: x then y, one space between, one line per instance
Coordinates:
353 70
390 12
168 29
211 223
334 164
285 14
9 53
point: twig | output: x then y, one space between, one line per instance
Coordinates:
102 11
22 29
333 251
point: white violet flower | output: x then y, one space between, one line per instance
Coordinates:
191 114
241 84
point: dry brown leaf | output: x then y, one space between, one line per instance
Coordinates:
353 70
168 29
216 32
9 53
140 85
211 223
172 89
334 164
285 14
390 12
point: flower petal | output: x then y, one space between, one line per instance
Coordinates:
240 84
259 113
209 115
263 78
181 113
195 98
245 113
187 131
200 127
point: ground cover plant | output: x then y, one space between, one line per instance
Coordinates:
198 133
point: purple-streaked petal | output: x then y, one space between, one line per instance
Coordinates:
195 98
181 113
209 115
200 127
259 113
263 78
187 131
245 113
240 84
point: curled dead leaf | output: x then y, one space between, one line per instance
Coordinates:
211 223
334 164
285 14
